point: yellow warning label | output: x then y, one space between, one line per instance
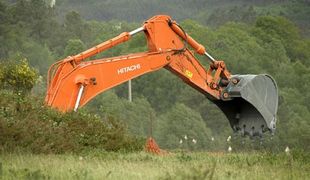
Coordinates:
188 74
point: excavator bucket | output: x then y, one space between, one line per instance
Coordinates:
252 107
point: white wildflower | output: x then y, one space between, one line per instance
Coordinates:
229 149
194 141
185 137
118 26
181 141
287 150
229 138
212 138
80 158
52 3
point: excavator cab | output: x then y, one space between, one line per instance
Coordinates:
252 104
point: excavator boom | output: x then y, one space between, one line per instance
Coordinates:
249 101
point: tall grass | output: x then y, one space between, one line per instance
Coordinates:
180 165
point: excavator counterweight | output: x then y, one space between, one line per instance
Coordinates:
249 101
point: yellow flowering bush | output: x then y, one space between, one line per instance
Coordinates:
18 76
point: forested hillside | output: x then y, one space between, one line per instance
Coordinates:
239 32
206 12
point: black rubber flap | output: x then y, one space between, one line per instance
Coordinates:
253 105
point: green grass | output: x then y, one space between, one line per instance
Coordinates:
179 165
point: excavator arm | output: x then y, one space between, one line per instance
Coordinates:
73 82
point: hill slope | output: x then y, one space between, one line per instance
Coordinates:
208 12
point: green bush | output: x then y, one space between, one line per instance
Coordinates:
18 76
26 124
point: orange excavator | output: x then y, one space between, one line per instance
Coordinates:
249 102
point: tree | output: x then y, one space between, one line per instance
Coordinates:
4 19
294 121
161 86
74 24
74 46
38 56
35 16
181 121
136 115
284 30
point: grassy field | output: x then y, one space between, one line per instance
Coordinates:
179 165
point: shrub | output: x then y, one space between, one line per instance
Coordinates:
18 76
26 124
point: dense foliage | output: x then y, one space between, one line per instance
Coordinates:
163 105
17 76
207 12
27 125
